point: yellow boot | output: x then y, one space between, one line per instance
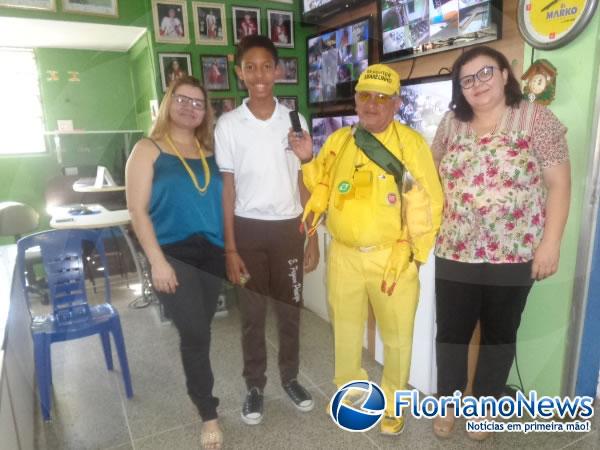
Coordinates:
391 426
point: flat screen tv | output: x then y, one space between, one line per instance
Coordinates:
335 59
323 124
424 102
411 28
318 11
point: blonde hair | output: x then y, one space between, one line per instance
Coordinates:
204 132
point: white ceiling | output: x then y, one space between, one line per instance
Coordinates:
33 33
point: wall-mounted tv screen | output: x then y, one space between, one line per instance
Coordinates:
335 59
323 124
411 28
318 11
424 102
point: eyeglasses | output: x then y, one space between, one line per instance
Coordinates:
198 104
379 99
484 74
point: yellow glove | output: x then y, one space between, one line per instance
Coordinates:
396 264
417 212
316 204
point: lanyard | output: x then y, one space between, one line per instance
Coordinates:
202 190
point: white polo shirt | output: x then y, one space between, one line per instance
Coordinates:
264 166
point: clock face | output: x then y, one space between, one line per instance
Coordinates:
547 24
537 84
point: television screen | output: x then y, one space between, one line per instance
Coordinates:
318 11
418 27
322 125
335 59
424 102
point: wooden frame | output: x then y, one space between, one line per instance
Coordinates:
238 21
281 27
42 5
215 72
170 21
288 67
210 24
168 73
105 8
291 101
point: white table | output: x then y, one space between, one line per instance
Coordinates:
101 217
89 185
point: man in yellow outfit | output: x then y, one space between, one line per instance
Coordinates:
378 242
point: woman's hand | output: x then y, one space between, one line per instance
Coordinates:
301 145
545 260
311 254
163 277
235 267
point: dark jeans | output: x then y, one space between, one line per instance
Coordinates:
200 270
273 252
458 307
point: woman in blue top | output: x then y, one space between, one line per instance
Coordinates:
174 198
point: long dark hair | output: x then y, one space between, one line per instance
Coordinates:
512 90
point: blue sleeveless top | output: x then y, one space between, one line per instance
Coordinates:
177 209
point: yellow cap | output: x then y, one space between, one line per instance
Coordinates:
379 78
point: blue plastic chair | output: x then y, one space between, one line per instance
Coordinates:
72 317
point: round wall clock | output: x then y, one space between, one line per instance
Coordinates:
549 24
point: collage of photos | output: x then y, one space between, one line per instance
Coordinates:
335 60
420 25
323 126
424 104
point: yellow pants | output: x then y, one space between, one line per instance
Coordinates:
353 280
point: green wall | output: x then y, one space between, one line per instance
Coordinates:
300 34
542 340
142 77
103 99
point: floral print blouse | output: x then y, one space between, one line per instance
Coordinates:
494 193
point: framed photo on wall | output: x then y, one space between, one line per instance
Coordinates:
291 101
222 105
287 71
246 21
46 5
210 24
170 21
281 28
93 7
215 73
174 66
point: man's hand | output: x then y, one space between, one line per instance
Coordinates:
301 145
311 254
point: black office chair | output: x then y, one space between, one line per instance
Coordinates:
17 220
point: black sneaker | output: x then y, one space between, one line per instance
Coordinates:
300 396
252 412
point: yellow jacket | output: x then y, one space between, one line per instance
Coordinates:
364 203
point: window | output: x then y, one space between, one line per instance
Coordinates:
21 118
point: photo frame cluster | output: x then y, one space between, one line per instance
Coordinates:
106 8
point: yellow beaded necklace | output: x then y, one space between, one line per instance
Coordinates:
202 190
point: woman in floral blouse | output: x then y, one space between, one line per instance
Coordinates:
505 171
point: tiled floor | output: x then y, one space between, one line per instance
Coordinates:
91 411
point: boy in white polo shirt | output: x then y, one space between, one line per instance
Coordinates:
262 186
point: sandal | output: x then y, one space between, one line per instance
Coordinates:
211 440
480 435
443 426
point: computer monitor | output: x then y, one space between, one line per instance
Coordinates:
323 124
335 59
424 102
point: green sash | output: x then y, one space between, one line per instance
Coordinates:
379 154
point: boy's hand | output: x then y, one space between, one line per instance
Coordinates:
301 145
311 254
235 267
